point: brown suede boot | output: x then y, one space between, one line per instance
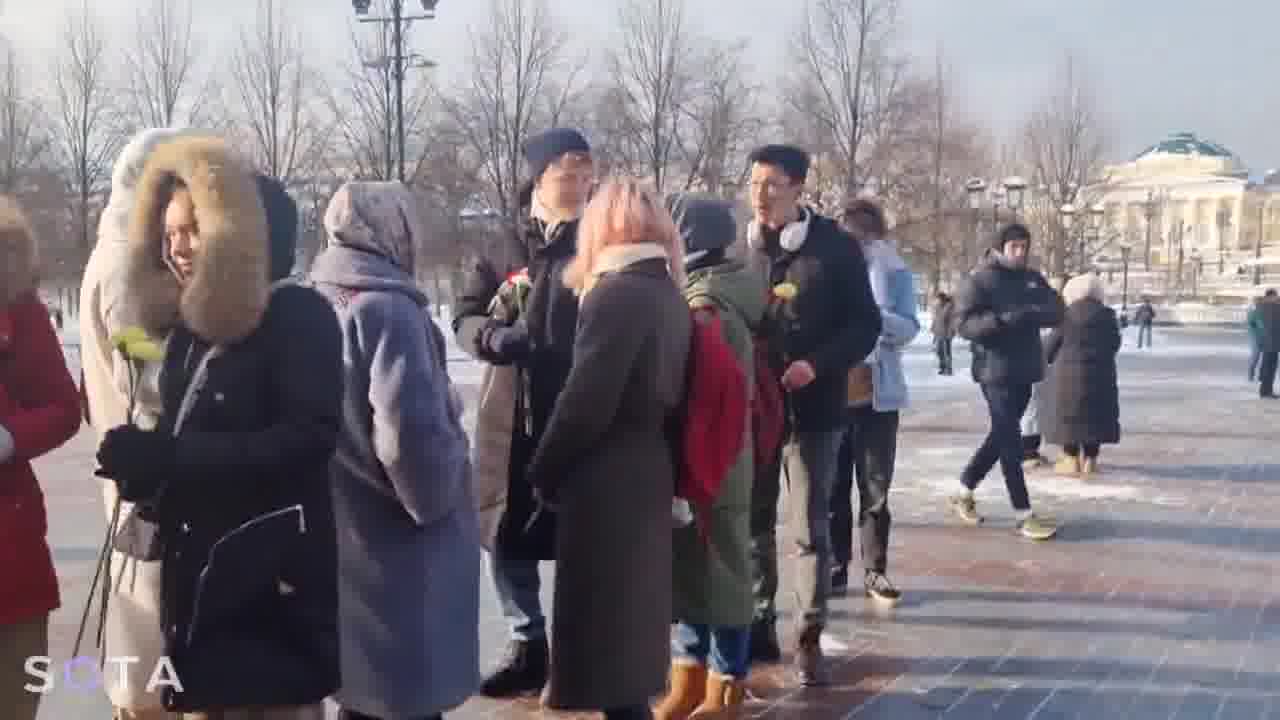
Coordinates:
724 698
688 687
1067 465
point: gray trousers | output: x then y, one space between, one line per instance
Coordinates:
809 465
17 643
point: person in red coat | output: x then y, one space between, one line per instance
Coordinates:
39 411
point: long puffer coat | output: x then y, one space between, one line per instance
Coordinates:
1082 356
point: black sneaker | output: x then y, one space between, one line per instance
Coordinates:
879 588
522 672
764 642
839 580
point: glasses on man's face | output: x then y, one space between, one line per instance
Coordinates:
769 186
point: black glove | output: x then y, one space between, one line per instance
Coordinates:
502 345
137 460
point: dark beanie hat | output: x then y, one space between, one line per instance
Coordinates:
545 148
282 225
705 222
1008 233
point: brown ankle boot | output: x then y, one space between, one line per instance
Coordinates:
688 687
1089 466
1068 465
724 698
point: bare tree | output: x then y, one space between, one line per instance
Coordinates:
521 78
277 92
87 134
160 67
651 67
1064 145
723 118
24 137
847 78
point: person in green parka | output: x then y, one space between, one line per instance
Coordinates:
713 605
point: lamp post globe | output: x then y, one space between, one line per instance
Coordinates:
1068 213
361 6
975 187
1014 187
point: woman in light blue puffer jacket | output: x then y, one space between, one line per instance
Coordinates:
871 441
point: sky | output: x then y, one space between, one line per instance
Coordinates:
1159 67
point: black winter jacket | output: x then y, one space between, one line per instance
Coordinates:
1001 310
552 321
249 581
833 321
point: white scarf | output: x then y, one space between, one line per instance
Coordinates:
613 258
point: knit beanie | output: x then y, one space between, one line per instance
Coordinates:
1008 233
705 222
545 148
282 225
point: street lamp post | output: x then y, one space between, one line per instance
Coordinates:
1124 278
1014 192
1224 223
1197 262
1149 212
975 187
1068 214
398 21
1257 245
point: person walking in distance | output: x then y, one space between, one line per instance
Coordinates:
825 322
1001 308
943 331
877 393
1144 317
1253 324
517 316
1269 312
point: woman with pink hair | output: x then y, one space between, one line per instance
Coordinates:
605 464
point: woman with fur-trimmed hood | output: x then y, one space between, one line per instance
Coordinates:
39 411
233 481
133 608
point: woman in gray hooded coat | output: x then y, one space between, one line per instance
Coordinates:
409 549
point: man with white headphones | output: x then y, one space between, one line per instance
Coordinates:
823 320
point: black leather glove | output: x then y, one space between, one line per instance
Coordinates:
503 345
137 460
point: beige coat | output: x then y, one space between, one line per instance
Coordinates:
133 625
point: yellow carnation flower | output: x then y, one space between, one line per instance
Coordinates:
785 291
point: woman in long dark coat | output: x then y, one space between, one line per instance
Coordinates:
1082 356
605 465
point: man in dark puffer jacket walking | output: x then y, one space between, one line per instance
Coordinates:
1001 308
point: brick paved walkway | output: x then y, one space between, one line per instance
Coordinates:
1158 600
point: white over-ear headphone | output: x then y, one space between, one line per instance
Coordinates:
790 239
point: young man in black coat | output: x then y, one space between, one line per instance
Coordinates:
232 485
824 321
540 345
1001 308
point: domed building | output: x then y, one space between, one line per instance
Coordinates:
1187 204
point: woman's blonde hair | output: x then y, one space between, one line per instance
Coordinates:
623 212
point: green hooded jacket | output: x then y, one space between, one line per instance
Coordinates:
712 582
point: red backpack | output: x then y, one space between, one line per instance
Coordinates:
768 408
713 423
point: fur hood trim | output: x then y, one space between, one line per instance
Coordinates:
227 296
18 268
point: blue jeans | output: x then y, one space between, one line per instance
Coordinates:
518 585
724 650
1255 357
1003 443
1144 333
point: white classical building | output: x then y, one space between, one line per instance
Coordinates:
1191 214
